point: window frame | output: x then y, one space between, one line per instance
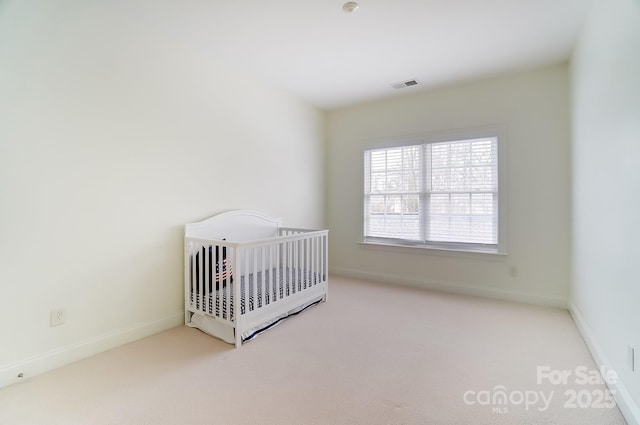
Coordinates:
497 132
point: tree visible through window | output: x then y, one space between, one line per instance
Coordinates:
433 193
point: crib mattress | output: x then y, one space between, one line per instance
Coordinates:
220 302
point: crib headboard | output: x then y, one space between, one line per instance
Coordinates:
235 226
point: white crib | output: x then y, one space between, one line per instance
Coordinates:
244 273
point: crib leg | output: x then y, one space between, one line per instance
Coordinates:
238 339
187 317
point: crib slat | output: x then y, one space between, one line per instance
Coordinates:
268 273
228 281
222 286
270 298
300 250
243 288
317 259
285 269
312 266
208 278
276 282
307 265
255 278
262 279
297 264
276 275
237 287
299 255
290 283
301 259
201 268
196 282
300 244
247 288
192 272
308 272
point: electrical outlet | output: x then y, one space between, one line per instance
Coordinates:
57 317
632 357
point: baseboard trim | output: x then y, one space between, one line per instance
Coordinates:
462 289
62 356
629 408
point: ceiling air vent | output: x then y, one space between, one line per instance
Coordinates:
404 84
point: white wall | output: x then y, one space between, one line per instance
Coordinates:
606 187
112 136
534 108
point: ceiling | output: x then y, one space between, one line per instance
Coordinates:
329 58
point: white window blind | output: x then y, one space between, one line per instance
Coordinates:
433 193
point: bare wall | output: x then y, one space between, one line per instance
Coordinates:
533 108
112 136
606 191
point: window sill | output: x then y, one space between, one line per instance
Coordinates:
437 250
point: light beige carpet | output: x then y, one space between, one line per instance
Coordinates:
373 354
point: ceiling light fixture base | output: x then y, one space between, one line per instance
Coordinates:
350 7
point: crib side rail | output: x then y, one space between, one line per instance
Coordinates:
287 231
277 269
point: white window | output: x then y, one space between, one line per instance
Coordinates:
442 194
